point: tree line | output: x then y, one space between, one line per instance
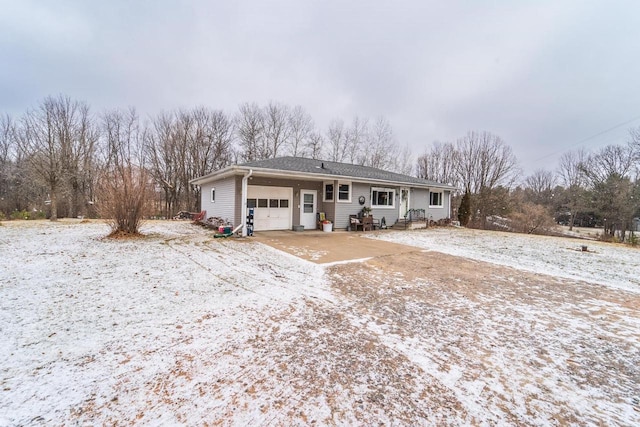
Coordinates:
58 158
599 188
61 159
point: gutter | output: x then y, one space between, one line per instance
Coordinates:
278 173
243 210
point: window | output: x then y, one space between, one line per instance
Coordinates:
284 203
262 203
328 192
435 200
213 195
383 197
273 203
252 203
344 192
307 203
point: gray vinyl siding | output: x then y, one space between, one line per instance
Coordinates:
296 185
447 204
238 201
224 205
344 209
390 215
436 214
419 199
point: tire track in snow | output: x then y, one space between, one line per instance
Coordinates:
280 272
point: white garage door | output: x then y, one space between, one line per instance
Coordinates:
272 207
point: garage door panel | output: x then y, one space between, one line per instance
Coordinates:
273 207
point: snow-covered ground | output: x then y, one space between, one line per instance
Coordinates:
608 264
182 328
88 322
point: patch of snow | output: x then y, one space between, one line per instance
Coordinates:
607 264
348 261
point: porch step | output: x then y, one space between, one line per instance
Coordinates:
403 224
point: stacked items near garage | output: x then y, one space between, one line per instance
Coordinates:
250 222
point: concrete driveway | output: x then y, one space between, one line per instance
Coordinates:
327 248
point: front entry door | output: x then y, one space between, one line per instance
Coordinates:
404 201
308 209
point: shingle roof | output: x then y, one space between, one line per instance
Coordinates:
327 168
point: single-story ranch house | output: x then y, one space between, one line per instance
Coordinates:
290 191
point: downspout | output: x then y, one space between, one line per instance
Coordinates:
243 210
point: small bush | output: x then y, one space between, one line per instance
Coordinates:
23 214
124 195
532 219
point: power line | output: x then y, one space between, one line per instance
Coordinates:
582 141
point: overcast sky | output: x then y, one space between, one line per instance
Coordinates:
543 75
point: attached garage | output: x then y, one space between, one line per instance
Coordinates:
272 207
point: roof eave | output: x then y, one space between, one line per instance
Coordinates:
222 173
257 171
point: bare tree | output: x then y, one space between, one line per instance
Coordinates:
439 163
250 127
7 136
381 149
336 138
79 160
209 147
485 164
183 145
159 148
277 130
124 186
497 165
571 167
54 137
356 138
7 144
404 162
315 145
610 160
573 179
539 186
184 128
20 188
301 127
221 134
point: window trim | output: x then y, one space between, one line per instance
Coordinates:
441 205
213 194
383 190
324 191
337 199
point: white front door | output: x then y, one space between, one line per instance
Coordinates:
404 201
308 209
